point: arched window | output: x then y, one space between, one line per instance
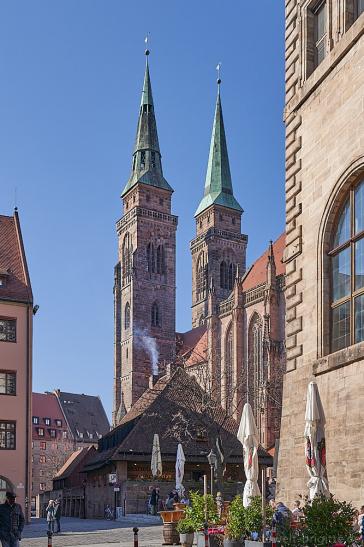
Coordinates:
156 316
232 274
127 316
127 255
5 486
347 267
223 275
201 276
161 259
255 359
151 258
201 321
229 364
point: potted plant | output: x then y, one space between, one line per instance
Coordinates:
201 509
235 524
254 521
185 528
327 521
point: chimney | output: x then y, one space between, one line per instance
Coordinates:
153 379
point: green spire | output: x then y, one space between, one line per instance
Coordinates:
147 159
218 184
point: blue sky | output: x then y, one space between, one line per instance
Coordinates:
71 78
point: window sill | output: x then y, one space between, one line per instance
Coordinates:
339 359
332 59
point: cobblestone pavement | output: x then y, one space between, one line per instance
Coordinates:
98 533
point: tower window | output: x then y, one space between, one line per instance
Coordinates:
201 277
127 316
142 158
152 159
134 162
147 197
161 201
150 258
223 275
233 221
127 254
156 316
161 261
359 7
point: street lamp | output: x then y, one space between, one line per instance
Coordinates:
212 459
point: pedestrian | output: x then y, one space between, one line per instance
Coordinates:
297 512
282 516
11 521
51 516
153 501
361 522
57 515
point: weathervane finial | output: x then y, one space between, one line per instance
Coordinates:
147 51
218 68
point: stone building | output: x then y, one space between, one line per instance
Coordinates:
62 423
16 336
324 117
237 337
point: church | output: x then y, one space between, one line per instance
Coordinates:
236 347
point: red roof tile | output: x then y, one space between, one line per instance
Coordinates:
258 272
12 261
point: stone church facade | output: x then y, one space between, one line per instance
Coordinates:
324 117
237 313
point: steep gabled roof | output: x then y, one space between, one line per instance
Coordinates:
45 405
192 346
13 264
160 410
85 415
258 271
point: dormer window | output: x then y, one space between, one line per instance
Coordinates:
152 159
3 278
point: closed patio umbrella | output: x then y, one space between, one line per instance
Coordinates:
315 449
156 463
248 436
180 468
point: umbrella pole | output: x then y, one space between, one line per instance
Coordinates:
263 500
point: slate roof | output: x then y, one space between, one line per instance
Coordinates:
258 272
157 410
85 415
13 264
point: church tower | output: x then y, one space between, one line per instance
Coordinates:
219 247
145 286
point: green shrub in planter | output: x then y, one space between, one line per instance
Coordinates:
185 526
235 525
197 510
254 517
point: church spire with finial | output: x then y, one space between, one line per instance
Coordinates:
147 159
218 183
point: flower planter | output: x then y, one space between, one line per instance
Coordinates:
186 539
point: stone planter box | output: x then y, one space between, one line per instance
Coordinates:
186 539
251 543
213 542
233 543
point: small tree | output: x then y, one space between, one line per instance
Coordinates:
254 516
235 526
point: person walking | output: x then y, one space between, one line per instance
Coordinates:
57 515
153 502
51 516
11 521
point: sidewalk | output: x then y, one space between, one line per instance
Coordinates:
38 527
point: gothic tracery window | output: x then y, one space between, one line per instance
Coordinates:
223 275
256 373
347 271
151 265
156 315
127 257
127 316
229 364
201 277
161 260
227 274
